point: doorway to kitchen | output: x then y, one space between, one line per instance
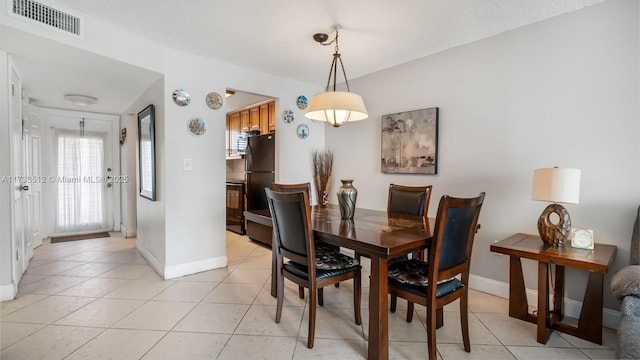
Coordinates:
249 115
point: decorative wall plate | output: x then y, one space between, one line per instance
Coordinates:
303 131
197 126
214 100
302 102
181 97
288 116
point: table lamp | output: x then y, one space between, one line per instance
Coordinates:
558 186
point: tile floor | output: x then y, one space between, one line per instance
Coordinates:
98 299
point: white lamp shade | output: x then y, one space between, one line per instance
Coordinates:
336 107
556 185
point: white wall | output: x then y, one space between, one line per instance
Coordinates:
562 92
195 200
150 215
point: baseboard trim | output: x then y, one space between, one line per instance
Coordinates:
126 232
151 259
194 267
7 292
610 318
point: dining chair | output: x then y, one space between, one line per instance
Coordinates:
447 267
306 188
310 264
408 201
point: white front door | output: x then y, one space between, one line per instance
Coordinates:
17 176
81 160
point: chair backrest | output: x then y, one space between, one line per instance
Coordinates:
408 200
455 229
292 230
304 187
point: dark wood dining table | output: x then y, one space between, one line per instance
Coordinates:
374 235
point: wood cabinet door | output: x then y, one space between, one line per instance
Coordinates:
245 123
228 137
254 118
234 132
264 119
272 116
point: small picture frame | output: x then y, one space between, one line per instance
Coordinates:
582 238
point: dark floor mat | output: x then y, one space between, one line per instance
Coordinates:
79 237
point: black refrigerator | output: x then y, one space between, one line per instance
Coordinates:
260 169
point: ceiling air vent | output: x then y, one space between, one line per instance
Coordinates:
47 15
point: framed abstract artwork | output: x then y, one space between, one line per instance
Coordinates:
410 142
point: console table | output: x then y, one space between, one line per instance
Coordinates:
531 247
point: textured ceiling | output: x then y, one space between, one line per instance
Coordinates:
276 36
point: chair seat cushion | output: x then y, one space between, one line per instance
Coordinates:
412 276
330 258
303 272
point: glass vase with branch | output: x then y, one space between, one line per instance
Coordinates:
322 165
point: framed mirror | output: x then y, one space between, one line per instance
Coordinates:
147 153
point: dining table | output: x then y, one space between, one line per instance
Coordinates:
373 234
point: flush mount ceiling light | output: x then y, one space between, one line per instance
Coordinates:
335 107
81 100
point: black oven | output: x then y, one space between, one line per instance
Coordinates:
235 206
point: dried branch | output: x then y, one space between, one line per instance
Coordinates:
322 166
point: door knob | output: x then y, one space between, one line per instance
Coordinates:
23 188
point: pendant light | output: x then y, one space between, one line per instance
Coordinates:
332 106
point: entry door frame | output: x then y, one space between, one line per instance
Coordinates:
51 118
16 160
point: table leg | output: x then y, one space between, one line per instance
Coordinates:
543 301
558 294
518 306
590 322
378 311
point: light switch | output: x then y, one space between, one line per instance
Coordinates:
188 164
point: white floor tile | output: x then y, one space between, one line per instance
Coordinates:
214 318
258 347
50 343
118 344
536 353
184 345
49 310
261 320
155 315
101 313
11 333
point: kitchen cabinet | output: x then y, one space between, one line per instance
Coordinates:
245 123
272 116
233 131
264 118
254 119
260 116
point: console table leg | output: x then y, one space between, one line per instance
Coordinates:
590 322
558 294
518 306
543 301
